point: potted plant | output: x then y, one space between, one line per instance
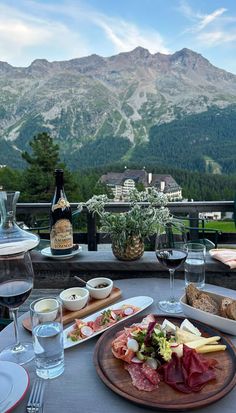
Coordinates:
128 229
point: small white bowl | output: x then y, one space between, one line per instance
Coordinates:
77 303
99 293
224 324
47 309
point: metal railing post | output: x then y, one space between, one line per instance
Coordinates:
92 232
194 224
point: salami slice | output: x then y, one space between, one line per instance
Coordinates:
151 374
139 380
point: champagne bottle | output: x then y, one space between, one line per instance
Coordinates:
61 232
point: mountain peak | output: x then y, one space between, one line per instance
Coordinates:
40 63
188 55
5 67
140 52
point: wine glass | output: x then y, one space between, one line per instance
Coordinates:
16 283
171 252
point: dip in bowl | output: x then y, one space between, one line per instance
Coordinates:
74 298
100 287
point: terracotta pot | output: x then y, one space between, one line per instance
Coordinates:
133 251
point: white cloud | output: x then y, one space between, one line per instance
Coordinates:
54 32
200 20
216 38
212 29
209 18
21 32
125 36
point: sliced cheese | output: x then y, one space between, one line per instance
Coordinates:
209 348
202 341
184 336
186 325
168 326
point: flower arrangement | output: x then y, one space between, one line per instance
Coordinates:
142 220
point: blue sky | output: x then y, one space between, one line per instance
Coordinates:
65 29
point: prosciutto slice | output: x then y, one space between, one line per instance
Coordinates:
120 349
189 373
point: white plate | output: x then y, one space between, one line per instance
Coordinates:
47 253
142 302
221 323
14 382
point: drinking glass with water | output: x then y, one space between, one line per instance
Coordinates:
194 267
47 330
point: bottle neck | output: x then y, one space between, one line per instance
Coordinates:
59 182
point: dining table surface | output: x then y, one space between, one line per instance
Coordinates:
79 388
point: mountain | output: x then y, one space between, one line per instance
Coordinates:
102 110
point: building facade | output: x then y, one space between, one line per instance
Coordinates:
121 183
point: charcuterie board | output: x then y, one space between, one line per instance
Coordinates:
112 373
92 306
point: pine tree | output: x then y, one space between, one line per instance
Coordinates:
38 178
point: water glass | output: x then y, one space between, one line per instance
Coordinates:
47 331
194 267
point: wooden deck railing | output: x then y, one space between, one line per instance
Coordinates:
93 237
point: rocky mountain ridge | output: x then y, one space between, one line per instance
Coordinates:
81 100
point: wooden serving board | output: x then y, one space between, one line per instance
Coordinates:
92 306
113 374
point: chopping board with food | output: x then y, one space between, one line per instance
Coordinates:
92 306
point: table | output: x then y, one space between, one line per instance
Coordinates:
80 389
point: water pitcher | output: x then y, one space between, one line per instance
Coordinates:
10 232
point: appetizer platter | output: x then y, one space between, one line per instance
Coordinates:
92 305
97 323
170 364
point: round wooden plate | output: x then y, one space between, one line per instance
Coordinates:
113 374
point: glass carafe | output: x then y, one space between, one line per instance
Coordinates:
10 232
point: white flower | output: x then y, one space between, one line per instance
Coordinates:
146 213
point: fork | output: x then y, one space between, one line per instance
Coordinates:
35 401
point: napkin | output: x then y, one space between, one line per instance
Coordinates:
227 256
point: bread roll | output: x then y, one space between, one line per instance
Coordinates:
231 310
223 306
192 293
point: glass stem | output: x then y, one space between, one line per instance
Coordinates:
172 282
17 345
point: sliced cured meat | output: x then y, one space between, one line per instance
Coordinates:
188 373
172 374
139 380
197 370
120 349
151 374
107 318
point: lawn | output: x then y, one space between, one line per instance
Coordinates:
224 226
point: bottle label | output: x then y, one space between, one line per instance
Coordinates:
62 204
61 235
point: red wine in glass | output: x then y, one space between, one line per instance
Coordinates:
171 258
14 293
16 283
171 252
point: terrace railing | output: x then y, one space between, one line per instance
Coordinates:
92 237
